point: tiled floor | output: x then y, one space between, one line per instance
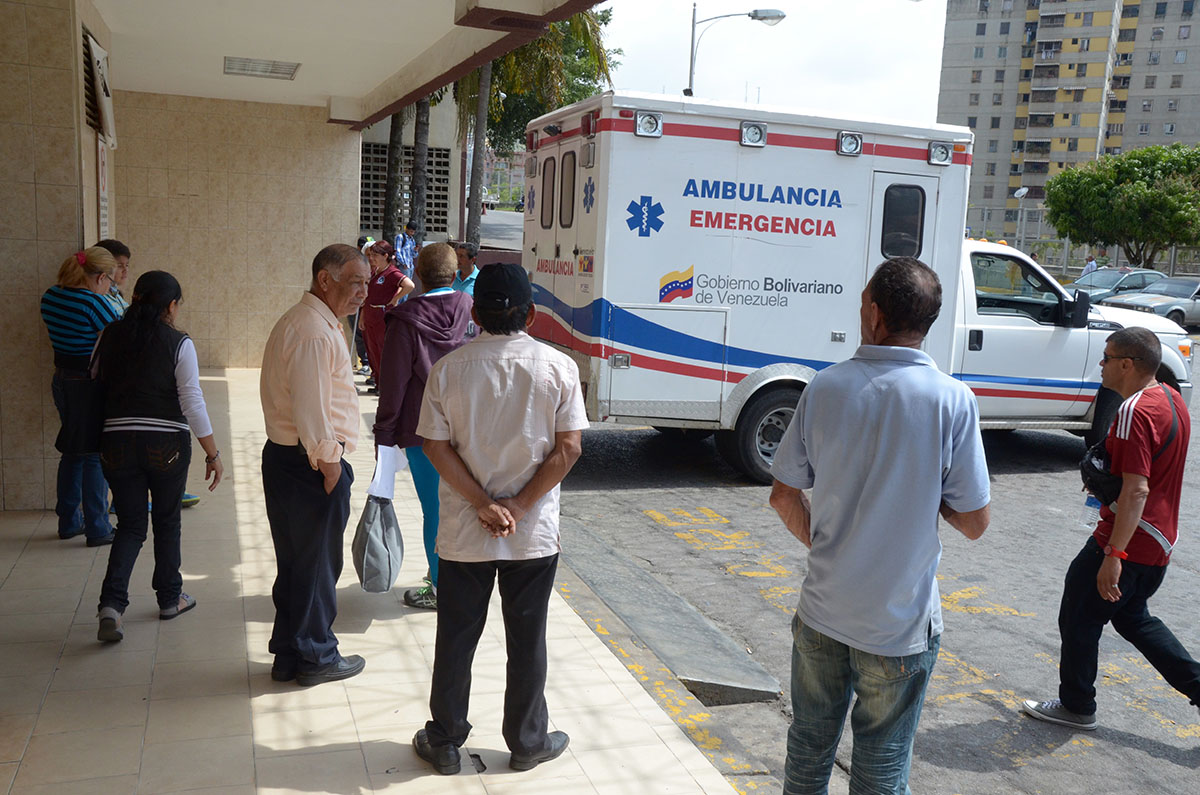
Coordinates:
188 705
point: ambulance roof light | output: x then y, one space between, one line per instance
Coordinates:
849 144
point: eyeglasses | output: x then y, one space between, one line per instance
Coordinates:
1106 358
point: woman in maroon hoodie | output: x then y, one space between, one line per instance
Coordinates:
418 333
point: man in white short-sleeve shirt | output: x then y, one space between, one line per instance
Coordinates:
886 442
502 418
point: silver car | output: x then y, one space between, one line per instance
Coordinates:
1176 298
1105 282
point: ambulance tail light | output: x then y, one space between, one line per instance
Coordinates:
531 141
647 124
587 125
849 144
941 153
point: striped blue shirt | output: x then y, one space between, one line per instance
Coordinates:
74 317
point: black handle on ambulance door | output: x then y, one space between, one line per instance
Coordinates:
975 339
556 248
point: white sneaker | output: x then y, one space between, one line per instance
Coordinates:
1053 711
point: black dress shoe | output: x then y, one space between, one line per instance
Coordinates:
102 541
557 743
444 758
341 668
284 669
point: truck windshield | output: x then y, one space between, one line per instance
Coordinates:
1176 288
1006 285
1100 278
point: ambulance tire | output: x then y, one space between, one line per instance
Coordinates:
751 446
1107 403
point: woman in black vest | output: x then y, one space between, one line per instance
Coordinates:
152 397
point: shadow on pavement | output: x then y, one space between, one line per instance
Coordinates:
1025 452
641 458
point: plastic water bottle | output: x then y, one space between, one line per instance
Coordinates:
1091 512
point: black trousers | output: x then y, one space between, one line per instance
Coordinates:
307 527
1081 620
140 465
463 593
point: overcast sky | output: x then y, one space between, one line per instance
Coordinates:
876 58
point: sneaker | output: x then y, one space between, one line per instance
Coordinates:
1053 711
110 630
189 500
424 598
184 604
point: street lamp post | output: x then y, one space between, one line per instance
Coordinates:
1020 194
768 16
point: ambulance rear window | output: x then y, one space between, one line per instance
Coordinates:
566 192
903 221
547 197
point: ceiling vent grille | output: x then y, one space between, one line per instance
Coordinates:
258 67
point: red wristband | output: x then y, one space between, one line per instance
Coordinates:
1120 554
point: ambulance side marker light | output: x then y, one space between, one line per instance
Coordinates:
849 144
647 124
941 153
587 155
754 133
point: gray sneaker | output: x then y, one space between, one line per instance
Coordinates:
1053 711
424 598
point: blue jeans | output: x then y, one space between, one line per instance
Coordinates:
80 484
425 480
142 464
890 691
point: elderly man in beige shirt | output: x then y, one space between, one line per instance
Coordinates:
310 407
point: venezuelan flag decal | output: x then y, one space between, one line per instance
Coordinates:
676 284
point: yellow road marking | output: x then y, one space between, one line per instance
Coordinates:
955 602
685 519
712 540
768 567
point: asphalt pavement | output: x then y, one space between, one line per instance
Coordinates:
678 512
501 229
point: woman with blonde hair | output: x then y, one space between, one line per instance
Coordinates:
74 311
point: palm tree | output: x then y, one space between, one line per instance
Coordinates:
420 168
393 181
537 68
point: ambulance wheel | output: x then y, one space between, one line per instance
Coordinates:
751 446
1107 403
684 434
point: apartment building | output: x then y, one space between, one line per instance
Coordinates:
1047 84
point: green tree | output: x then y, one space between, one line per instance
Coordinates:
1144 201
537 68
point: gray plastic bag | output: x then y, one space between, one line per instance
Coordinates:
377 549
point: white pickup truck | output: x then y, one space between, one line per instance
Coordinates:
701 262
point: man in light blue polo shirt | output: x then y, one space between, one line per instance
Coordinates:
464 278
886 442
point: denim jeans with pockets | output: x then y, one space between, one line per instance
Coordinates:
890 692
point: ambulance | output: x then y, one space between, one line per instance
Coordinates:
701 262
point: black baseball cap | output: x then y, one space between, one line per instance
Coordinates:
502 285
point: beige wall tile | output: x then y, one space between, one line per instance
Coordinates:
54 156
16 153
14 93
51 36
58 216
23 496
13 48
18 267
53 96
18 210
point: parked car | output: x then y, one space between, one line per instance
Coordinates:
1176 298
1105 282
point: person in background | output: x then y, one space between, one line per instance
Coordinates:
122 255
152 398
420 331
75 310
310 409
464 279
406 250
388 286
360 344
1089 265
